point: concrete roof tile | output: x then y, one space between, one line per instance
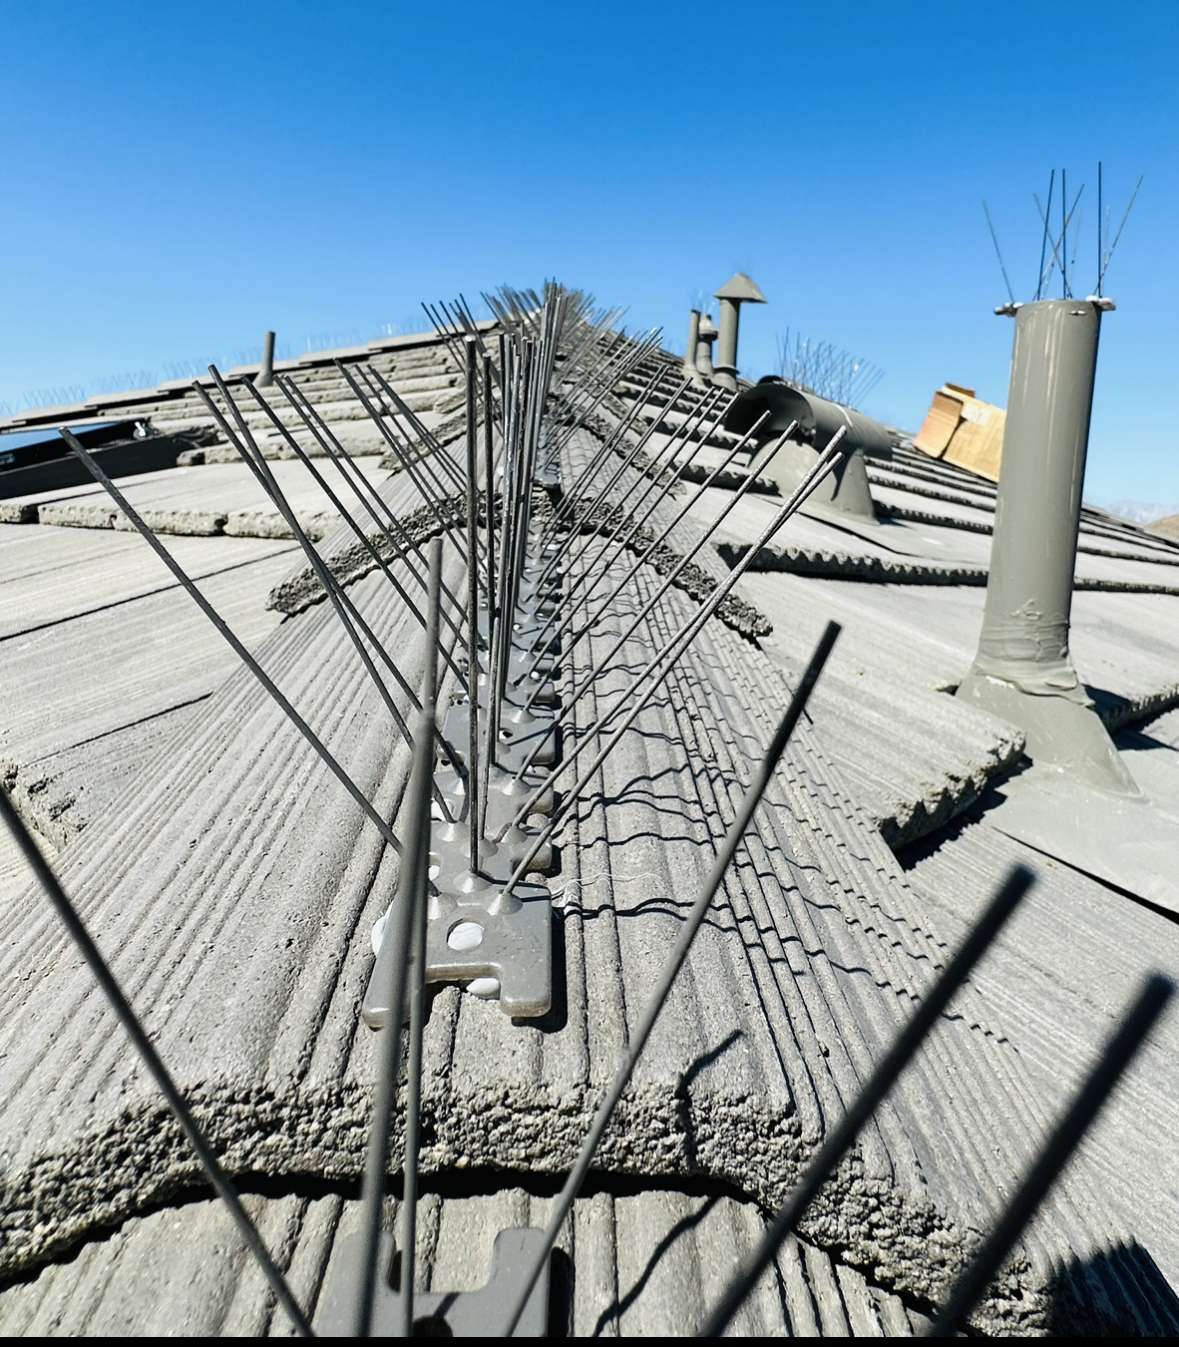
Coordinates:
243 920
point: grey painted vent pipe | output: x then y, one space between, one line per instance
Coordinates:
846 488
693 342
265 376
705 336
1023 670
737 290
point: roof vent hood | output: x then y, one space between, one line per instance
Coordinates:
737 290
846 488
1023 670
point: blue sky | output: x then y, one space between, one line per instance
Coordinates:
177 179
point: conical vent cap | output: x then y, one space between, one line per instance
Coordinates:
740 288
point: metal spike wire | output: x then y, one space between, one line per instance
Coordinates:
340 456
152 1061
442 332
929 1010
593 333
510 456
417 997
349 619
695 918
1118 235
438 455
998 254
488 749
654 675
406 548
1054 242
401 928
430 493
1044 238
474 813
462 305
663 463
1100 269
1063 237
653 472
653 546
489 476
594 336
447 337
600 456
667 582
435 491
345 610
460 327
632 358
1072 261
235 645
431 457
501 649
402 409
662 476
614 349
1112 1062
343 511
628 458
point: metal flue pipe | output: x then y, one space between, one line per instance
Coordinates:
265 376
737 290
693 342
1023 670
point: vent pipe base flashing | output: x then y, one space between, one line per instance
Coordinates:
845 488
1023 672
1062 728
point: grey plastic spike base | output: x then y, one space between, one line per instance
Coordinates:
515 723
528 644
530 616
1063 730
515 695
532 587
515 718
505 795
530 623
512 961
520 664
516 742
482 1313
450 857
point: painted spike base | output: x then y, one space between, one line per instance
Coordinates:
516 696
515 722
515 744
450 856
503 951
520 663
505 795
447 1314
